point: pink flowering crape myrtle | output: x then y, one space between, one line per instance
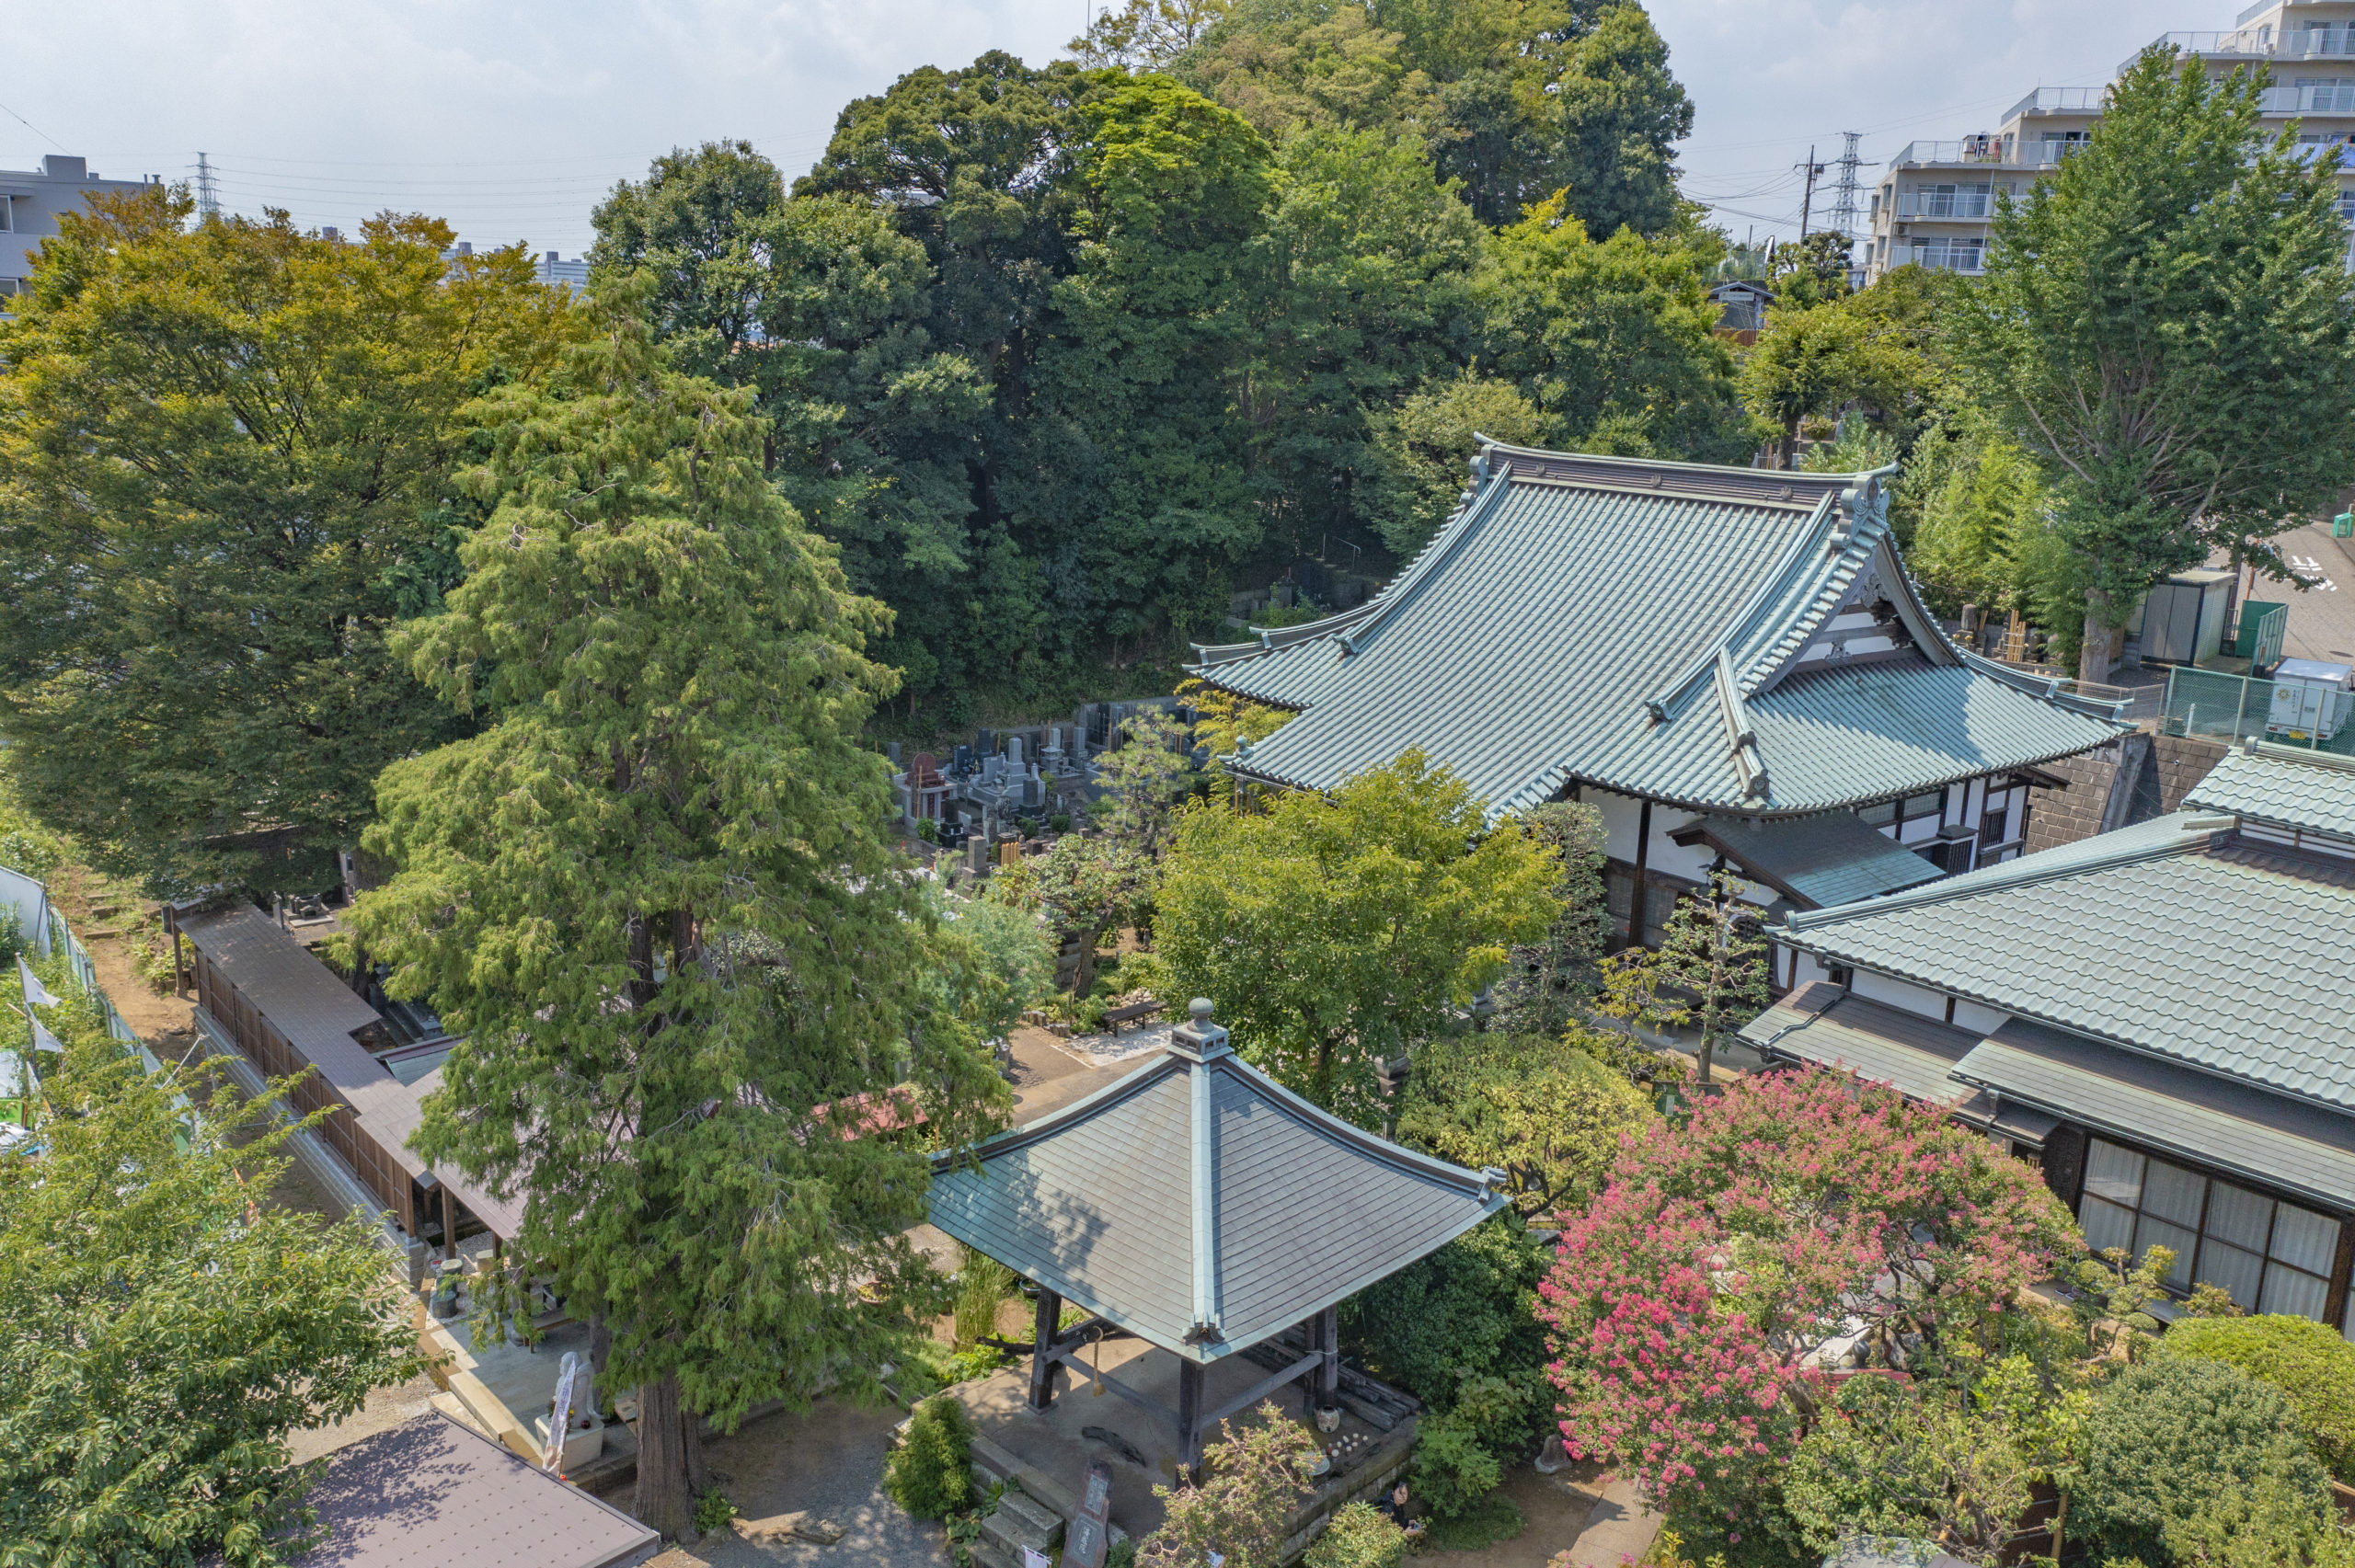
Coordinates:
1799 1224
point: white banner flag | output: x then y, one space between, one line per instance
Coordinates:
35 993
560 1418
45 1041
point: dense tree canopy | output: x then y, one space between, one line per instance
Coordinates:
1058 357
227 459
161 1335
655 896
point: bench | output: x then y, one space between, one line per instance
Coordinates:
1116 1016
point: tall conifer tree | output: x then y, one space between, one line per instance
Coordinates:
655 895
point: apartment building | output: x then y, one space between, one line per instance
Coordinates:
1935 199
30 202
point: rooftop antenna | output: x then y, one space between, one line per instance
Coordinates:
208 195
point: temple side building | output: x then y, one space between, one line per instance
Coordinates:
2156 1015
1732 664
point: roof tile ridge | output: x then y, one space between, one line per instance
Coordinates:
1495 480
2013 873
1410 1160
1807 606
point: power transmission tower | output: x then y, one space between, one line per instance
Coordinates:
208 195
1807 202
1845 194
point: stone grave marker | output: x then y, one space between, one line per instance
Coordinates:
1087 1535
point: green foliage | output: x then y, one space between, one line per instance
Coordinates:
1613 339
26 844
2172 1438
1709 972
1855 448
656 897
2155 322
2110 1306
713 1510
1547 982
1544 1110
1142 780
983 1285
1081 888
1333 931
2313 1365
1458 1331
992 962
1480 1524
1417 467
930 1473
1949 1461
1517 101
2271 1524
228 458
1359 1536
1239 1506
164 1334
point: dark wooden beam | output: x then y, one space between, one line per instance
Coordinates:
1328 1370
1190 1414
1312 1362
1042 1362
1637 903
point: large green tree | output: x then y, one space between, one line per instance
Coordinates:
655 895
2166 324
1335 930
162 1334
1517 99
227 460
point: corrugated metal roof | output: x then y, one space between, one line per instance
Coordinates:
430 1492
1565 622
2197 945
1820 860
1098 1202
2266 1137
2285 785
285 982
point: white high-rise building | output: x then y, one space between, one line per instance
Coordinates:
29 203
1935 197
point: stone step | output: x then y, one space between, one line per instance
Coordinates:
1022 1520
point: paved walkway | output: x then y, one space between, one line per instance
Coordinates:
1620 1530
830 1462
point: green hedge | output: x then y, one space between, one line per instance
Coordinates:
930 1473
1360 1536
2309 1363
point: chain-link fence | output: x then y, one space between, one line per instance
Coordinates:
2214 706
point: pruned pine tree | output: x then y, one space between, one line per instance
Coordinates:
655 897
1709 972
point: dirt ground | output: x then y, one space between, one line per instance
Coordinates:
1556 1508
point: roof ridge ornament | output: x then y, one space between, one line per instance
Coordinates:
1198 1039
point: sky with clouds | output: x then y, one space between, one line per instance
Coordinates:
510 118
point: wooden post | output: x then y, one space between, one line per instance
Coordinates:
1042 1348
1329 1371
1638 903
449 1225
1190 1414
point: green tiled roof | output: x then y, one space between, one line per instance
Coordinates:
2287 786
2265 1137
2173 937
1645 627
1828 859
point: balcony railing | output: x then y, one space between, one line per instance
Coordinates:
2324 97
2059 100
2027 153
2314 40
1960 204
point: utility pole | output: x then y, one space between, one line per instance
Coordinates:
1807 202
208 196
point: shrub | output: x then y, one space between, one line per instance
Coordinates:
1241 1501
1059 822
1546 1112
1458 1330
1360 1536
2169 1440
930 1473
1453 1469
1490 1519
2311 1364
713 1510
983 1285
927 830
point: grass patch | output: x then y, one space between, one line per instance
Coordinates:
1493 1518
